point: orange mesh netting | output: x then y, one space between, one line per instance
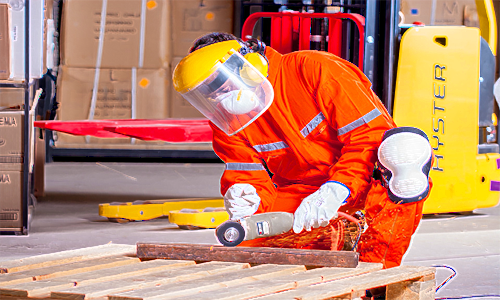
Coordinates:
340 234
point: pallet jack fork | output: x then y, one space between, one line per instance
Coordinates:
209 218
191 213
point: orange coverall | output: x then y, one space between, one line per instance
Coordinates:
325 124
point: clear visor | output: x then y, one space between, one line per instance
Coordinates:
233 96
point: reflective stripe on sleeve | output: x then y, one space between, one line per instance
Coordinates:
361 121
270 147
244 167
312 124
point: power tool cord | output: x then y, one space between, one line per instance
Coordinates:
449 278
355 220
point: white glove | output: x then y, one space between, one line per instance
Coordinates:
241 200
320 207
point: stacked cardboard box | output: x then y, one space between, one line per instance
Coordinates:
11 172
11 158
117 58
11 187
440 12
12 100
120 94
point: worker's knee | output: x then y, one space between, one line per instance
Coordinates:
405 157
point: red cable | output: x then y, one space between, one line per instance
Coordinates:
348 217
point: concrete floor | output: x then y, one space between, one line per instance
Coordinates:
67 218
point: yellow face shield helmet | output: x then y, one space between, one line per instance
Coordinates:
227 83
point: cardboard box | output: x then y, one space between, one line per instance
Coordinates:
180 107
120 94
440 12
17 40
194 18
130 38
11 98
12 139
4 42
11 188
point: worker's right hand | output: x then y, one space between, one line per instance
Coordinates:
241 200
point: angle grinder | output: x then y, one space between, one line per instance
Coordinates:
231 233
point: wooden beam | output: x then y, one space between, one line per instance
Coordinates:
257 255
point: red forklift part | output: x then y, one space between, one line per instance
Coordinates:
285 24
169 130
172 133
84 127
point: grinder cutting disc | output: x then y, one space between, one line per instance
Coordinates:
230 233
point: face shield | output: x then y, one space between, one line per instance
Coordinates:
234 95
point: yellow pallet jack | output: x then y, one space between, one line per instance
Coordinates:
208 218
191 213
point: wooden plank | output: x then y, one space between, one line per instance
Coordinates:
345 287
140 282
64 257
424 288
258 255
210 283
278 284
66 269
43 288
22 298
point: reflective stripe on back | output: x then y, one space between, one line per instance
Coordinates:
270 147
312 124
244 167
363 120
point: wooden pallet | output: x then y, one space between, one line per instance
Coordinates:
115 272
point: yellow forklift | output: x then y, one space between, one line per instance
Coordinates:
444 85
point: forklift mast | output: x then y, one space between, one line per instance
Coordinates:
381 33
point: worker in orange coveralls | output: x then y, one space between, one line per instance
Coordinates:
311 119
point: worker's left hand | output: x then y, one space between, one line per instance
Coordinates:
320 207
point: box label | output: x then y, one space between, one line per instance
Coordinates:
5 179
11 183
262 228
8 121
9 216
